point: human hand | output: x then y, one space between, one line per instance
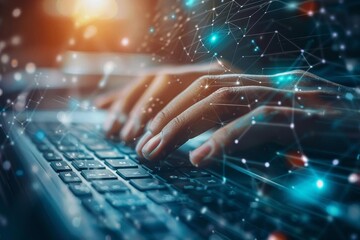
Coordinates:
131 108
251 110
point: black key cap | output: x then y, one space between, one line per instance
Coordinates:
135 157
121 163
78 156
80 190
97 174
50 156
70 177
109 155
187 185
125 200
128 173
210 182
147 184
156 166
86 164
196 221
87 140
165 196
172 176
71 148
195 173
176 162
99 147
126 150
94 206
43 148
148 222
60 166
109 186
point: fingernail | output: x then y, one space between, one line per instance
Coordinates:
143 140
200 154
150 147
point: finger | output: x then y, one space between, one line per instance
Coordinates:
206 85
300 80
120 109
150 101
162 90
274 124
215 111
114 119
104 101
200 89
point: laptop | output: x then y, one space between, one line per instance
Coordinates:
95 188
85 186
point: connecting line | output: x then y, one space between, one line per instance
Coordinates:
254 175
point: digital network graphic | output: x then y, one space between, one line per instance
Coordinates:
294 46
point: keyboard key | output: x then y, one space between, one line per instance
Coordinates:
99 147
80 190
97 174
70 177
109 186
86 164
50 156
171 176
196 221
109 155
94 206
78 156
134 157
147 184
60 166
165 196
87 140
126 150
71 148
129 173
121 163
43 148
179 162
187 185
148 222
210 182
154 167
195 173
125 200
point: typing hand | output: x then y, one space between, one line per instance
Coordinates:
250 110
130 109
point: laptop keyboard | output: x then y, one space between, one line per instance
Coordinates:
97 170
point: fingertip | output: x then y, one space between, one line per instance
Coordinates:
200 154
102 102
126 132
143 140
151 149
109 122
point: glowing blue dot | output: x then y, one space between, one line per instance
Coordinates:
152 30
333 210
40 135
349 96
292 5
213 38
189 3
320 184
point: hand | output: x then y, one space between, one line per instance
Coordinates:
130 109
250 110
